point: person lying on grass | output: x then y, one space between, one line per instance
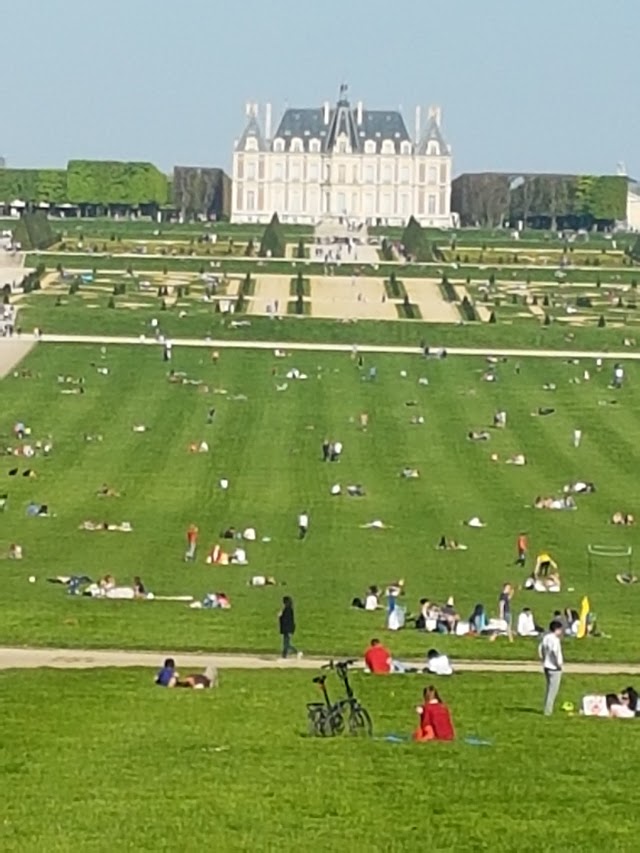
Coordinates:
580 487
445 544
546 583
617 708
626 519
123 527
565 502
410 473
435 718
479 435
106 491
168 676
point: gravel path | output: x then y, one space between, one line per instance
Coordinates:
12 351
30 658
513 352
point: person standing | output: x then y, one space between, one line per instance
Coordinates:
522 546
504 610
192 543
303 524
287 624
577 437
550 654
326 450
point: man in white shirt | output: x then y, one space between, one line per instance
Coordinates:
577 437
303 524
550 654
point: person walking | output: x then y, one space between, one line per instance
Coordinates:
522 547
303 524
550 654
287 624
504 611
192 543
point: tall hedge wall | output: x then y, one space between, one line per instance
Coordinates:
109 182
33 185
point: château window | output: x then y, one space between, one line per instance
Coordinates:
432 175
369 147
296 145
314 146
278 144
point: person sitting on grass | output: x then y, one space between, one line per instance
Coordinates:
478 619
262 580
626 519
378 660
139 590
435 718
526 624
516 459
630 698
438 664
167 676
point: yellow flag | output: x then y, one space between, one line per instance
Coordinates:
585 609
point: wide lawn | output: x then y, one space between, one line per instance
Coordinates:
103 760
268 444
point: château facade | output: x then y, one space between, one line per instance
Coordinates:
342 162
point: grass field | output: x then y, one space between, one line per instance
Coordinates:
116 764
269 447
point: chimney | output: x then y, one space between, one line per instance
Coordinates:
359 113
325 112
418 111
267 122
434 113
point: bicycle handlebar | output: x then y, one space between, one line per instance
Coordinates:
340 664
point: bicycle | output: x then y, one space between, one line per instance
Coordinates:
327 719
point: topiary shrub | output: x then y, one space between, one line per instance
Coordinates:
111 303
492 317
601 322
547 320
546 301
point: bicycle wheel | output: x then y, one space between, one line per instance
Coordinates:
360 724
335 721
317 721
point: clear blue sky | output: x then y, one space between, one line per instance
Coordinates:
545 86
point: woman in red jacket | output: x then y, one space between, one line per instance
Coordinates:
435 719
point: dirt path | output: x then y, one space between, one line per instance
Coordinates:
316 347
30 658
12 351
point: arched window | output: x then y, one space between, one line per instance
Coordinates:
278 144
388 147
296 144
314 146
433 149
405 147
370 147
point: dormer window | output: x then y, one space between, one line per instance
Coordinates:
341 145
433 149
314 146
405 147
251 144
388 147
369 147
296 145
278 144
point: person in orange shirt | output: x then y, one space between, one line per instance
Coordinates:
435 718
192 542
522 546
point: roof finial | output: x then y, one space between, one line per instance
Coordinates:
344 88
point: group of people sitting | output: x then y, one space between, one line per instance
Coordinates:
123 527
625 519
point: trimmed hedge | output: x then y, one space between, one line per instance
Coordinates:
107 182
34 231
